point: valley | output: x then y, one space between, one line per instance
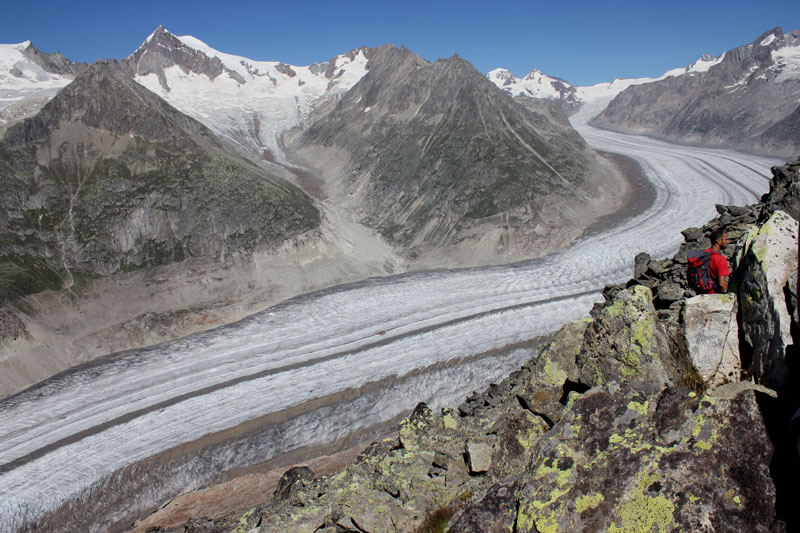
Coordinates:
212 266
317 368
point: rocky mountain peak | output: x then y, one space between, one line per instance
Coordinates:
428 149
55 63
747 99
104 97
123 180
162 50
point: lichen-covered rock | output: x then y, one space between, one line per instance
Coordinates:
289 481
494 513
434 462
553 371
768 263
676 462
712 337
624 343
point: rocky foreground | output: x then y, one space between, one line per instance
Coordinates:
661 411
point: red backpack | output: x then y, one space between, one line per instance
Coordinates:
698 271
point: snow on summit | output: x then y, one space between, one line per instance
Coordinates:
21 78
251 102
534 85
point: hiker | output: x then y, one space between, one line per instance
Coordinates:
708 270
719 270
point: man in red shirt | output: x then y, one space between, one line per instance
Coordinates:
720 272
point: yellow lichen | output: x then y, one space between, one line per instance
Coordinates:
554 375
640 408
642 513
449 421
589 501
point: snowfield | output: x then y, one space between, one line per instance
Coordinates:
332 362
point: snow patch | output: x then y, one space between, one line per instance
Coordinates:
768 40
22 79
787 62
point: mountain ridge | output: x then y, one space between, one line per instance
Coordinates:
735 103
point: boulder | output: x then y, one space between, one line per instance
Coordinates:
624 343
669 292
692 234
675 462
287 484
712 337
479 456
640 264
767 264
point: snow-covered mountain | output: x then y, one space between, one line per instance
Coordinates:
251 102
535 85
29 78
539 85
746 99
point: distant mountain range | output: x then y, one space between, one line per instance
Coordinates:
431 156
748 99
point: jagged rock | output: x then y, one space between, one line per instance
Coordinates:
412 428
618 461
640 264
479 456
287 484
712 337
769 261
623 343
659 268
692 234
611 291
516 431
669 292
783 192
553 370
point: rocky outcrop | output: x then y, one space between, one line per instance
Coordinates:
769 261
55 63
749 100
630 454
621 460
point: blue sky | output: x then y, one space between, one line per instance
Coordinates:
582 42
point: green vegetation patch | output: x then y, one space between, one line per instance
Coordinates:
24 275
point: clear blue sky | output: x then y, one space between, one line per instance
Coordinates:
581 41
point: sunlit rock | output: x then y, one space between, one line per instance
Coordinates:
712 337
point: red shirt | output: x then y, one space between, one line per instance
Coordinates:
718 266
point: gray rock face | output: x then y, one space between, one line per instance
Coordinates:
479 457
749 100
434 154
622 461
770 259
712 337
55 63
164 50
108 177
